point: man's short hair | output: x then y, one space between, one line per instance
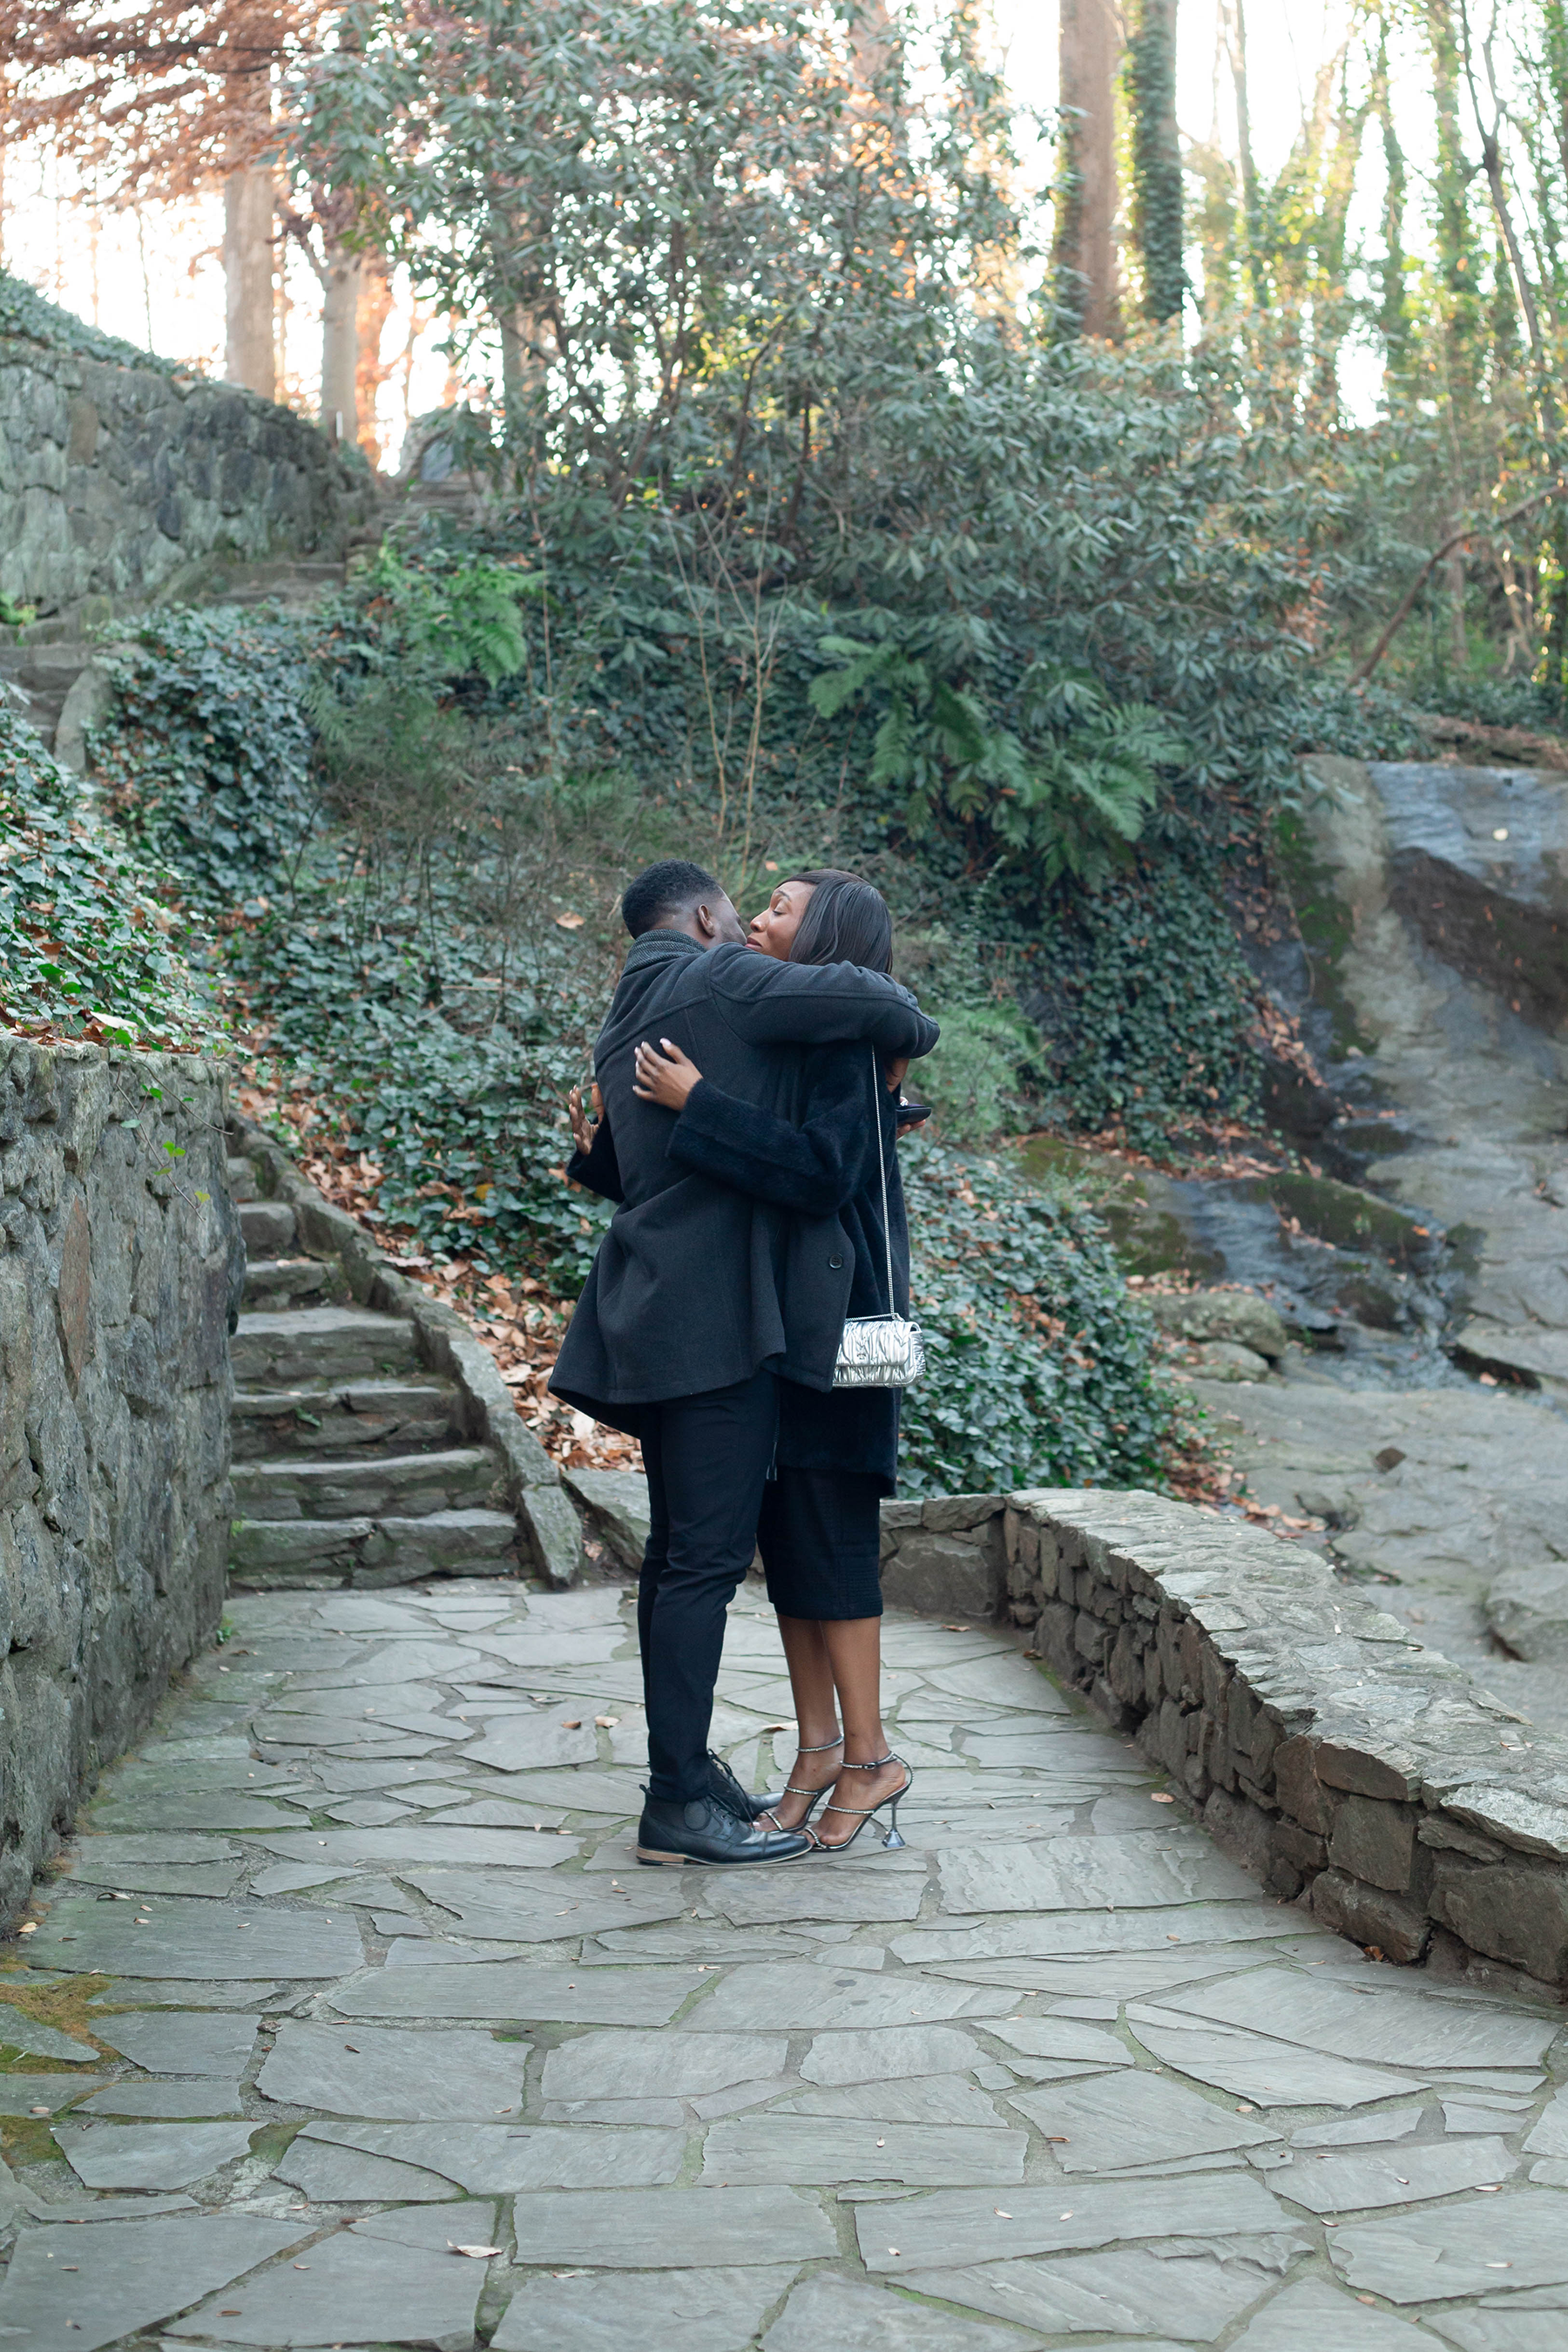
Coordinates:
660 891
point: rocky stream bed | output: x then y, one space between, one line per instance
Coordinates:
1412 1394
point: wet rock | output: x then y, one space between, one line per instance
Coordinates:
1527 1608
1238 1316
1222 1359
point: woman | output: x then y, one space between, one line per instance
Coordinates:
820 1529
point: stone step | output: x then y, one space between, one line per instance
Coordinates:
281 1346
407 1485
370 1417
241 1180
271 1283
368 1551
268 1225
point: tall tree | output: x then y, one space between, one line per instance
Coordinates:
1158 227
1459 286
1331 303
1083 248
622 197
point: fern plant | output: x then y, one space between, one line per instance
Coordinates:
1071 785
457 620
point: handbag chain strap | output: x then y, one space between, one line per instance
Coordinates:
878 1090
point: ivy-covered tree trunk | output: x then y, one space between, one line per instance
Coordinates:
1157 218
1332 304
1393 298
1458 288
1459 291
1083 250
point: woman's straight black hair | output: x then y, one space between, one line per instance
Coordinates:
847 920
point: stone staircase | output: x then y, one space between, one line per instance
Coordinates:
373 1441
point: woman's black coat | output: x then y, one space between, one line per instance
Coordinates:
826 1166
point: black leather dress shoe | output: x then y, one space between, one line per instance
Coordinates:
726 1791
706 1831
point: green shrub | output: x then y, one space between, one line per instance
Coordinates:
972 1080
1039 1365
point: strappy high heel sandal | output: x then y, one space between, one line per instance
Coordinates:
817 1795
869 1812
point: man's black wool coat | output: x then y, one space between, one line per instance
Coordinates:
687 1291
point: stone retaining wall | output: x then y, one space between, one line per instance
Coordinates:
119 483
119 1265
1323 1747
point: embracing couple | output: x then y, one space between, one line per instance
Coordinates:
749 1092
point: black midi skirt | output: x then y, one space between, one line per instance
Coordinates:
820 1537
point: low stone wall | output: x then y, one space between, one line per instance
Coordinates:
945 1555
1323 1747
121 481
119 1268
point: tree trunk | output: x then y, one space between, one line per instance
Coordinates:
1331 307
1457 272
1394 306
1083 252
1234 19
1157 222
339 345
369 372
522 386
248 355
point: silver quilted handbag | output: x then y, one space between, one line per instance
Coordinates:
880 1351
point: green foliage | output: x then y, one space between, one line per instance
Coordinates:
1143 994
443 622
1039 1365
971 1079
209 756
13 615
1070 787
88 949
638 198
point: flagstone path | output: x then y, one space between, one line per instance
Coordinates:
356 2023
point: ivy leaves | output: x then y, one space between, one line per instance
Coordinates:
1039 1365
209 757
87 948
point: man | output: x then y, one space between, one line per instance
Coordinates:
682 1317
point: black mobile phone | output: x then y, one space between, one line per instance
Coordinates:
913 1114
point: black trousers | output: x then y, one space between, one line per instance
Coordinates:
707 1459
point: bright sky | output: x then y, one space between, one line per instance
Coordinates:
157 280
